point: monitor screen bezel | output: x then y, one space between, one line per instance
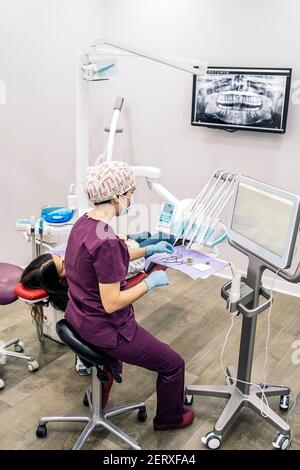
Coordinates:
256 70
284 261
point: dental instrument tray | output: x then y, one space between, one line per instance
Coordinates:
193 263
57 215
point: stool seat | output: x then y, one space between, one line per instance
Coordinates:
83 349
10 275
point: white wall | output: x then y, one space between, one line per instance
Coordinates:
37 60
158 99
38 42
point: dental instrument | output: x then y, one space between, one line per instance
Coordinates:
32 234
177 259
188 261
204 213
235 290
41 233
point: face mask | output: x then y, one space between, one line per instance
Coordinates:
125 210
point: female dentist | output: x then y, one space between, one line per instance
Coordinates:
100 307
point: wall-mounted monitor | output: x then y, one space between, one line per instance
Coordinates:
250 99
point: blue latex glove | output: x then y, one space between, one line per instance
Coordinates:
161 247
156 279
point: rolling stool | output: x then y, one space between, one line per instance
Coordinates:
98 417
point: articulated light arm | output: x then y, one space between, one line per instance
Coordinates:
195 67
87 70
152 177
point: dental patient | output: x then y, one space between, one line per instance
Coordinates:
47 270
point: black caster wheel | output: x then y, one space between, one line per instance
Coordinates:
211 441
188 399
41 431
284 403
85 400
142 415
282 441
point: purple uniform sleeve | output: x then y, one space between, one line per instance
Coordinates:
110 260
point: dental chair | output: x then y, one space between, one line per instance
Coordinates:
37 299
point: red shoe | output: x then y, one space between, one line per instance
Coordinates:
106 388
188 418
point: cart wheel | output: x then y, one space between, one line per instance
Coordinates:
212 440
282 441
19 347
1 384
33 366
284 403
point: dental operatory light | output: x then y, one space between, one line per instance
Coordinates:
96 69
99 69
98 62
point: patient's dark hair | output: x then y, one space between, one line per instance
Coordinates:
41 273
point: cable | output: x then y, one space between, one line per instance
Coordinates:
294 398
264 374
225 343
261 387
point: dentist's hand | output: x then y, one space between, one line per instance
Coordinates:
161 247
156 279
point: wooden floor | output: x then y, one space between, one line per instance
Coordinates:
191 317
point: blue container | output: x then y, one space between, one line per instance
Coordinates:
57 215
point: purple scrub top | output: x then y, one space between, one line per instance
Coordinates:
96 255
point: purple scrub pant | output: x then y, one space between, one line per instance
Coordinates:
144 350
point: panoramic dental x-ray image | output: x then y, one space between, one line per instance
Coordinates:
241 99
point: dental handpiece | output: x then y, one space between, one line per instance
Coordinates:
235 291
41 233
32 232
